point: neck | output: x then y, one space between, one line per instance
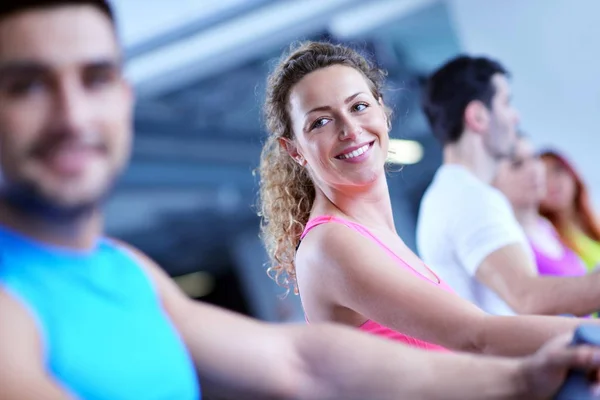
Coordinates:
528 217
470 152
78 233
570 218
370 207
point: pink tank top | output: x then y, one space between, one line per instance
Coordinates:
370 326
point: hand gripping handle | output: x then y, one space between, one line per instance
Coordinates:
576 385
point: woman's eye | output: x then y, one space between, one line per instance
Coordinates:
360 107
321 122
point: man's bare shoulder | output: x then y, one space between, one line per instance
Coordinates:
19 331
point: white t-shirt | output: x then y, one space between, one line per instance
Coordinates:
461 221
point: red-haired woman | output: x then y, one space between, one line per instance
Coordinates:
568 206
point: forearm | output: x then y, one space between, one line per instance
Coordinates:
342 364
522 335
548 295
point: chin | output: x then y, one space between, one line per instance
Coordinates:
59 209
72 211
366 181
62 202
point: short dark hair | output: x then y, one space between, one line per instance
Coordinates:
452 87
9 7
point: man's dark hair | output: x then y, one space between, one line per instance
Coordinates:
452 87
9 7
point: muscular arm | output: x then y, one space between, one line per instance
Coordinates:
22 374
343 364
236 356
241 358
356 274
511 274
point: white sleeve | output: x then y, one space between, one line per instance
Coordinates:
483 225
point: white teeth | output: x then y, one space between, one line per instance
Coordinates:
355 153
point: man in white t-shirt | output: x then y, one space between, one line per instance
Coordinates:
466 229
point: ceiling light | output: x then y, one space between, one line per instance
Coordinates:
404 152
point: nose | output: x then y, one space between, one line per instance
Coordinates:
71 108
350 130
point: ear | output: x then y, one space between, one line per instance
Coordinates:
477 116
292 149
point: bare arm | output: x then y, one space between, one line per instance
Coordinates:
356 274
413 374
237 356
509 272
22 374
344 364
241 358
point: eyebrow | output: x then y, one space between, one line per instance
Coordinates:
325 108
15 68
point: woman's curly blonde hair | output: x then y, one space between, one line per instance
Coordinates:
286 190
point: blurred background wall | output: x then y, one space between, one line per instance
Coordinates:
199 70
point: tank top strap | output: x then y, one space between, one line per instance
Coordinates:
323 219
368 234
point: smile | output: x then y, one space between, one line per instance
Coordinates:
354 153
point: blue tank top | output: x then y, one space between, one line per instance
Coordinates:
104 332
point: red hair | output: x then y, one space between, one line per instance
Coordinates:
586 218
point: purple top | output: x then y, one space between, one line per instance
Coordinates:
567 264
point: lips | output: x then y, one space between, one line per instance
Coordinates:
354 151
70 160
70 157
